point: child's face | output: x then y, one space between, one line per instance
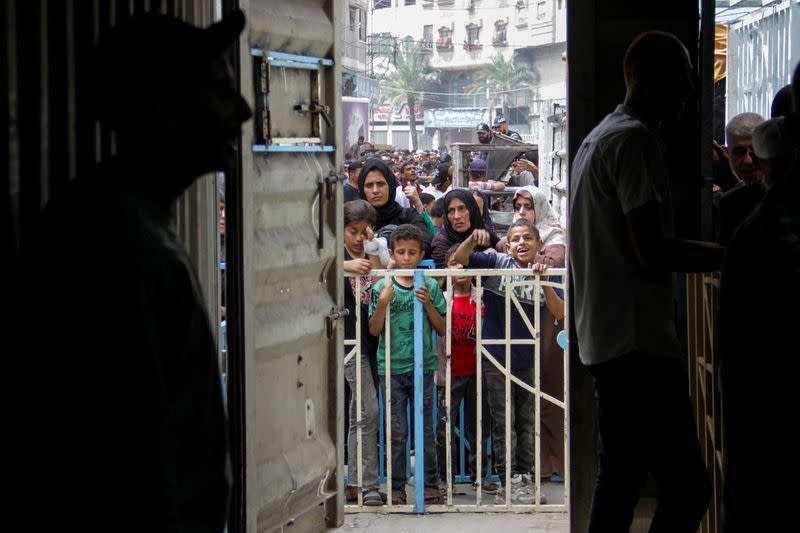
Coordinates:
458 280
437 221
354 235
406 253
523 245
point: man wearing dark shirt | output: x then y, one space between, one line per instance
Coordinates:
736 204
351 186
502 127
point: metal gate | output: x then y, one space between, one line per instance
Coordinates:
484 360
702 291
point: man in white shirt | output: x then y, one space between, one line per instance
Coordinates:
622 254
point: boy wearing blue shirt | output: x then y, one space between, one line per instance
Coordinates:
406 252
523 245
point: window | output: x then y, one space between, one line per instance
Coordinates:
410 2
381 4
445 40
473 34
500 32
358 22
521 14
427 37
541 10
362 25
353 18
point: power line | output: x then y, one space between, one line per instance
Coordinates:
478 92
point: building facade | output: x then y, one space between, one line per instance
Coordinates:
460 38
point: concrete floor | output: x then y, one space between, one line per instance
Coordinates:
456 523
463 522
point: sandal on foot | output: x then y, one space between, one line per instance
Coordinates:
398 497
432 495
372 498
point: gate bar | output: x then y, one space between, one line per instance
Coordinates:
419 418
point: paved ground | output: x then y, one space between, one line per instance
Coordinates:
463 522
456 523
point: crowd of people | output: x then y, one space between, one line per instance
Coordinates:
392 221
623 253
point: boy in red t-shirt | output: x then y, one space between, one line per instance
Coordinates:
462 376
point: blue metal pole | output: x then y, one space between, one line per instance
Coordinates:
419 419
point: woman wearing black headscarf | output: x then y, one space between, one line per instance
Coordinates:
462 217
377 185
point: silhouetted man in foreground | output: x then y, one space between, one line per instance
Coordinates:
622 255
126 391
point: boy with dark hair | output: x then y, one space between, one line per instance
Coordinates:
399 293
359 221
427 201
523 245
437 213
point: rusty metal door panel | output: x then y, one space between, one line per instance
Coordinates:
292 279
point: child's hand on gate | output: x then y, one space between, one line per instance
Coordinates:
358 266
423 295
539 268
387 294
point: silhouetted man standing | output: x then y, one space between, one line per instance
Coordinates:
622 253
127 396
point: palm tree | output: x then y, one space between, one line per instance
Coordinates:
501 77
412 74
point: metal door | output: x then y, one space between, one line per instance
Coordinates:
291 278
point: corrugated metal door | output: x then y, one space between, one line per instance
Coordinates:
763 49
291 278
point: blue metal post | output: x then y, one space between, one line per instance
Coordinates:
419 419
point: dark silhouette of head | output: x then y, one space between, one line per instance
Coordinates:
658 76
782 103
166 90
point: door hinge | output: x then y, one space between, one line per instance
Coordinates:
333 316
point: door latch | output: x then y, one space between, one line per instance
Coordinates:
315 107
331 180
333 316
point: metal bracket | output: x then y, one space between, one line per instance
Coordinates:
333 316
316 65
331 180
314 107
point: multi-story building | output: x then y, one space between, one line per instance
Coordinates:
461 37
355 72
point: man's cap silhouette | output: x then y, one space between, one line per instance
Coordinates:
147 54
